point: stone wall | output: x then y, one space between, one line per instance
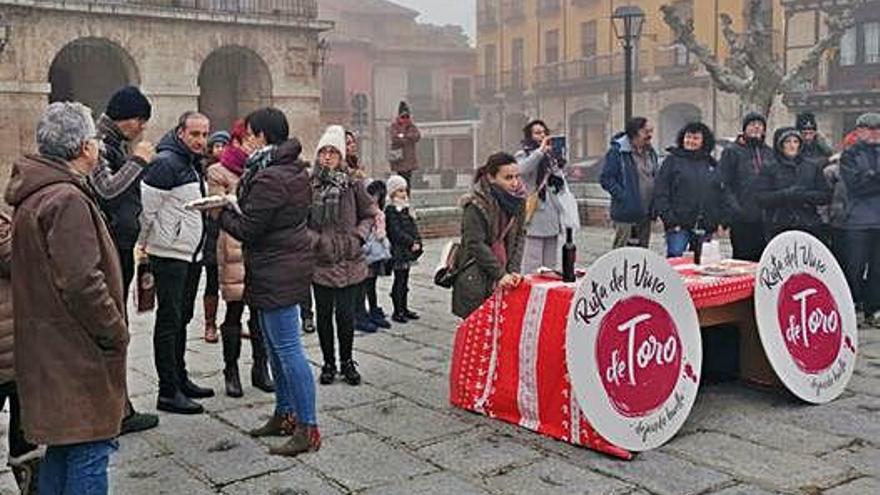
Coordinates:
165 48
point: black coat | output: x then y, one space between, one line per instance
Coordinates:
403 234
740 166
278 255
123 212
790 192
860 169
689 189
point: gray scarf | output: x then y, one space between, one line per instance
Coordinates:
328 188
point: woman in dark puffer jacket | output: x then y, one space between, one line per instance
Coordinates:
687 195
791 188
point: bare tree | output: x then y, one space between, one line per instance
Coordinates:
753 70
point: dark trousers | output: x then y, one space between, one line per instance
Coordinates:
400 290
18 445
305 310
126 258
748 240
330 301
177 284
370 293
862 253
212 280
408 177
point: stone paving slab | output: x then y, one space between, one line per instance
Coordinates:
162 476
764 466
552 477
404 421
298 480
359 461
432 484
480 453
861 486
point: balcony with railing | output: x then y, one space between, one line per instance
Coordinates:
513 81
487 18
281 8
549 7
579 74
674 60
513 10
486 86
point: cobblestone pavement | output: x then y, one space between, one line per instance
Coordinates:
396 434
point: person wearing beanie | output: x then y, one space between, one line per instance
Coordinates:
406 245
216 143
815 146
116 181
791 188
341 217
740 165
403 135
860 170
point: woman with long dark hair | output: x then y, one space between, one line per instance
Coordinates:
542 172
492 234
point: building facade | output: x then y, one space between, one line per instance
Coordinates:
222 57
561 61
847 83
379 50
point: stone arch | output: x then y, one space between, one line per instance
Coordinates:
587 134
90 70
233 81
675 116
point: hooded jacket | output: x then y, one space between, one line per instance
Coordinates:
790 190
860 169
404 137
620 177
278 257
71 336
173 179
481 225
7 373
740 166
340 260
689 188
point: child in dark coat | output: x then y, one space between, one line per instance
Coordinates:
406 245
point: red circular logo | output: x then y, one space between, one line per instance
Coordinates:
810 323
639 354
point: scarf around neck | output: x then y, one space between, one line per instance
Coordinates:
510 203
328 187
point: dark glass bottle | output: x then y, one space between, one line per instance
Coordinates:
569 255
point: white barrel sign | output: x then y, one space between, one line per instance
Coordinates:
633 348
806 317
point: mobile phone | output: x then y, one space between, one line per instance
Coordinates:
557 144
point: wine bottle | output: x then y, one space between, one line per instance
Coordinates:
569 255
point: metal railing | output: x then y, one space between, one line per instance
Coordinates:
486 85
512 80
595 69
285 8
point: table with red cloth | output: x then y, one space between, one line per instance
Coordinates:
509 359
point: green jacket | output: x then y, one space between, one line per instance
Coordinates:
479 230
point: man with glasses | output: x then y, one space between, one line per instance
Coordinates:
116 181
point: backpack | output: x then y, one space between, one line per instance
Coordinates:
446 273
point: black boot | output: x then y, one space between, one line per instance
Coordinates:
260 377
231 335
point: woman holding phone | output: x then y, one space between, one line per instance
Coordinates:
551 207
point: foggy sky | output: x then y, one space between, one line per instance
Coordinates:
461 12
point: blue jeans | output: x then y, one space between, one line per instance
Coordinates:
79 469
294 383
677 242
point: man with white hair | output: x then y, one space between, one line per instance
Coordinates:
71 337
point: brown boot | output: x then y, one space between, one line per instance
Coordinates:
304 439
277 426
211 303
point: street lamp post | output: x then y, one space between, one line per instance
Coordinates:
628 21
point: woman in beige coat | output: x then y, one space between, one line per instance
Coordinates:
223 178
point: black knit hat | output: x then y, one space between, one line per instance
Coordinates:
403 109
753 117
129 103
784 133
806 121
